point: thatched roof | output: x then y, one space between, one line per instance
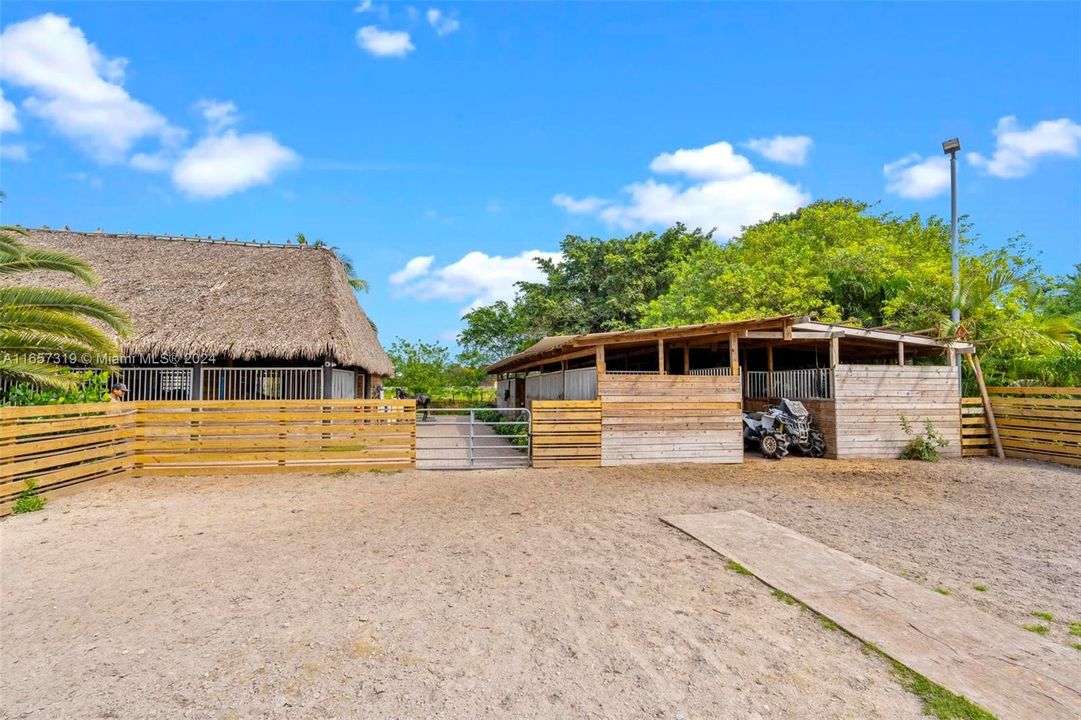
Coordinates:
227 299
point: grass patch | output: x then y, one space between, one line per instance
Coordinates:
943 591
979 588
1042 615
736 567
829 624
938 702
29 500
1075 629
1037 628
1075 646
785 597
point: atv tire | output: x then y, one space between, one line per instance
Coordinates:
818 444
773 447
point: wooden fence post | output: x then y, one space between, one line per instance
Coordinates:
987 411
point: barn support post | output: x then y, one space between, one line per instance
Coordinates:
687 357
197 381
733 353
835 351
328 380
987 411
660 358
900 353
600 360
769 369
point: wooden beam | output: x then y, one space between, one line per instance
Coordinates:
900 353
987 411
600 360
769 368
660 357
797 335
687 358
733 353
835 351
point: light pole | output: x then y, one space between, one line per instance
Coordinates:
951 148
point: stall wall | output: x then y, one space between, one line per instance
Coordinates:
823 417
870 400
670 419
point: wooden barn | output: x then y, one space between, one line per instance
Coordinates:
677 394
227 320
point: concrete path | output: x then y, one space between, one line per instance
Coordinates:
1008 671
443 444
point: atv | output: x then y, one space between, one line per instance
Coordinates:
781 427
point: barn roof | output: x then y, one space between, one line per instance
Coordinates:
222 298
797 328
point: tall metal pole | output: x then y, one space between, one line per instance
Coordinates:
956 314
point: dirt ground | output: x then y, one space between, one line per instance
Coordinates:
518 593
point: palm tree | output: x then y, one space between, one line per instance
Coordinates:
41 326
350 272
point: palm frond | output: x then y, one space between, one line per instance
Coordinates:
33 259
41 374
72 303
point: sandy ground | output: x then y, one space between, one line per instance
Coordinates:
519 593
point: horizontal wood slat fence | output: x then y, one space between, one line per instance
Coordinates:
60 446
1039 423
975 433
566 433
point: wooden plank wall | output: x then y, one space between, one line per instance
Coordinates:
257 436
670 419
1039 423
975 433
823 417
63 446
566 433
871 398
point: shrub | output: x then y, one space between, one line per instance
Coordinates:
518 435
29 500
923 445
93 386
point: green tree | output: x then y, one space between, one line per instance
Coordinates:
492 332
40 327
419 367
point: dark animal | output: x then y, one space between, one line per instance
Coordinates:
424 402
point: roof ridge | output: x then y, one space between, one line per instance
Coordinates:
208 240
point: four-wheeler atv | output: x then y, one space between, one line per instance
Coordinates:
781 428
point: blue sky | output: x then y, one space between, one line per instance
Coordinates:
441 145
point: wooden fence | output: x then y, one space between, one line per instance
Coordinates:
1039 423
975 433
566 433
60 446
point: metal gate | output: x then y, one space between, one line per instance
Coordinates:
473 438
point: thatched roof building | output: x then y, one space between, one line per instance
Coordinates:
232 300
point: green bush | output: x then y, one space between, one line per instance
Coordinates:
923 445
29 499
516 434
93 386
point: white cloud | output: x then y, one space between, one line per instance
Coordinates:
787 149
384 43
367 6
9 122
917 178
152 162
712 161
219 165
17 152
729 194
726 205
413 269
583 206
218 114
75 87
443 25
477 277
1017 149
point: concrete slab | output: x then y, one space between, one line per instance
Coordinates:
1006 670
